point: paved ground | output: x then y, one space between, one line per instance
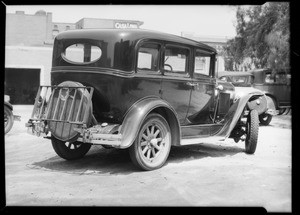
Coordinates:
219 174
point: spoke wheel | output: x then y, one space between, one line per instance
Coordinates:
70 150
8 119
152 145
251 132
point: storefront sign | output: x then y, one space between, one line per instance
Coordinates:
125 25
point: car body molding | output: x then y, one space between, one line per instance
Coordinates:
135 116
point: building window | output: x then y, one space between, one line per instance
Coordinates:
67 27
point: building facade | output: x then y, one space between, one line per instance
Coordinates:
28 49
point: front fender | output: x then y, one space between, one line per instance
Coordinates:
136 114
235 113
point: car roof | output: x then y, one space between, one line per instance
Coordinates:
130 34
234 73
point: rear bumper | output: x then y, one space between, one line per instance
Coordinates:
97 135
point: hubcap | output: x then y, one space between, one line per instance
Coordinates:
152 142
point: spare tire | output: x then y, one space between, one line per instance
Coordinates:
65 111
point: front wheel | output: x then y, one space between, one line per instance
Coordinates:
70 150
251 132
151 148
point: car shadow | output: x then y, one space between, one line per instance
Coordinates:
100 161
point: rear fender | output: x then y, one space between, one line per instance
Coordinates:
137 113
235 112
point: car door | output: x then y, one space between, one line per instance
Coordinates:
175 88
203 89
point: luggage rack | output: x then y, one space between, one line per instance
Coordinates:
42 107
50 115
61 104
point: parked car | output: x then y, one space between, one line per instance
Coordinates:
142 90
8 115
275 85
243 82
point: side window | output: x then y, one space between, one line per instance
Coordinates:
148 57
202 63
176 61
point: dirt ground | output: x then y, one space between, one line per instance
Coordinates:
218 174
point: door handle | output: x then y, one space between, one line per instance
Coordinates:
191 84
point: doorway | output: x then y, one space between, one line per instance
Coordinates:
21 84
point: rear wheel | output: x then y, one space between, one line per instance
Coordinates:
251 132
8 119
151 148
70 150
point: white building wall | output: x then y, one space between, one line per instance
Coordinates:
30 57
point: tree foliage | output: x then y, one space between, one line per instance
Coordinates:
262 41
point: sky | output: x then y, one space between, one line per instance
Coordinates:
204 20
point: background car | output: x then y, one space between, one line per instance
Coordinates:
276 85
8 115
243 82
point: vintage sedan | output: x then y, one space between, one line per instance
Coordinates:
142 90
243 82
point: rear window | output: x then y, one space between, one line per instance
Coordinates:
82 53
108 52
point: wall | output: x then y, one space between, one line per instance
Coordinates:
30 57
24 29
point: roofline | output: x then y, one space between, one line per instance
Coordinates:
152 34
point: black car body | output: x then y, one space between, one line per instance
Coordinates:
144 90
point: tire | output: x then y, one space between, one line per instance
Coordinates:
265 119
8 119
151 148
70 150
251 132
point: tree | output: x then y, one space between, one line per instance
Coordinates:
262 41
